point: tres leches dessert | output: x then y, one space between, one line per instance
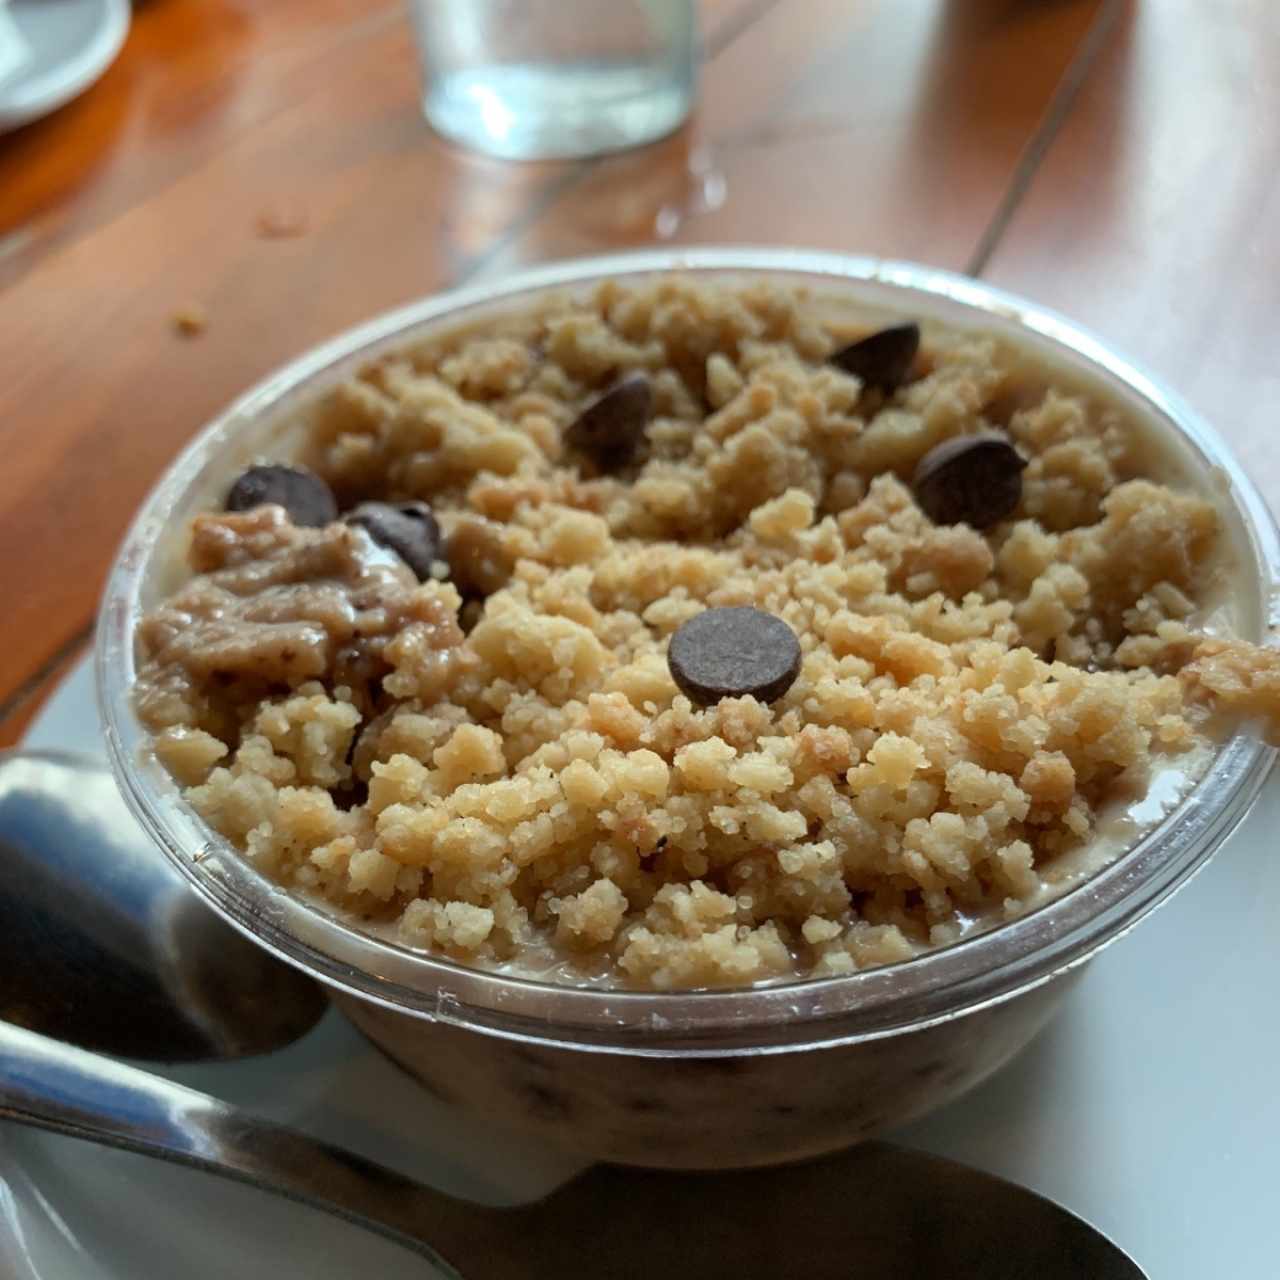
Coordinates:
686 635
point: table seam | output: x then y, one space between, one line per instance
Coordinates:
29 686
1046 132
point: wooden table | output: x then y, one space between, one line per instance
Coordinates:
265 162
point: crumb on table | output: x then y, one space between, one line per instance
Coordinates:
190 321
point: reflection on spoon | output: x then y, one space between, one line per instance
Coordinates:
104 944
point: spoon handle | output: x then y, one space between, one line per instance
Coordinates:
879 1212
50 1085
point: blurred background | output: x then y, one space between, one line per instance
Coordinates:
240 179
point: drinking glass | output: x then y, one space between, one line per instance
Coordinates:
553 79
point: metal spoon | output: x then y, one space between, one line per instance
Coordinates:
103 943
877 1211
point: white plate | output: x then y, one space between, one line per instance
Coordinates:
53 50
1149 1107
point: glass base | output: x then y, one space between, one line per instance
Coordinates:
535 112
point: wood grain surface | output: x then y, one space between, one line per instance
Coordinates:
263 166
878 127
1153 219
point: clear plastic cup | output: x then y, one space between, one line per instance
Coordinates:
709 1078
554 79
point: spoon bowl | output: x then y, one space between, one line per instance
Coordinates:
877 1212
102 942
103 946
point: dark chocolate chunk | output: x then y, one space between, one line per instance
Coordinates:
478 561
471 612
882 360
609 430
407 528
728 653
649 860
300 492
973 480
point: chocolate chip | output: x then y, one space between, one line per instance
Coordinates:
470 613
973 480
728 653
882 359
649 860
610 428
478 561
300 492
407 528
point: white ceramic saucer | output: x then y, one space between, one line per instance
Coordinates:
1149 1107
53 50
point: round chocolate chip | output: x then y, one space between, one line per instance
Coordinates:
973 480
407 528
300 492
479 563
882 359
728 653
610 428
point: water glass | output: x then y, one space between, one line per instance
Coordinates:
552 79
